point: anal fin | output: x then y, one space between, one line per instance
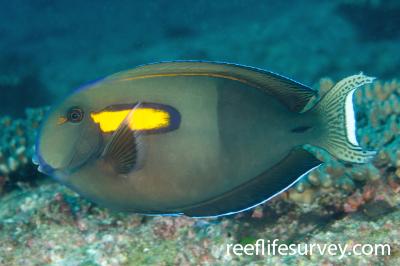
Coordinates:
259 189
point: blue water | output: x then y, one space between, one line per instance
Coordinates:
48 48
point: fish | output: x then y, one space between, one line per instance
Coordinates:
195 138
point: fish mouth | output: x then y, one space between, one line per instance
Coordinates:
43 167
38 160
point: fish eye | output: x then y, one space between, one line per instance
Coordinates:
75 115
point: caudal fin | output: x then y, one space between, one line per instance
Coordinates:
338 122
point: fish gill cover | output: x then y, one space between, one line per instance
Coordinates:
48 48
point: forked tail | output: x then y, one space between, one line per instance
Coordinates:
338 122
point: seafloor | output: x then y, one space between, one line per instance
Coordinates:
47 48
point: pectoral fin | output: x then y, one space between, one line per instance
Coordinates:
122 151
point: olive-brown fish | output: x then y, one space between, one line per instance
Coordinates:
195 138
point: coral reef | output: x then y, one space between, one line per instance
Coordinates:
35 224
17 138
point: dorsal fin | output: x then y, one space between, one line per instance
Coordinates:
294 95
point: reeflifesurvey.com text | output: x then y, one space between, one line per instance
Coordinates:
264 247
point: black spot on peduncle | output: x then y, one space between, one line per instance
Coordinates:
301 129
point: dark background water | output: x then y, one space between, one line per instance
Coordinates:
48 48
